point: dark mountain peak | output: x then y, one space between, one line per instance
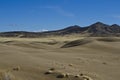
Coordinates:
115 25
98 28
73 27
99 24
70 29
115 28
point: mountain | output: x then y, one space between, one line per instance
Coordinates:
115 28
96 29
101 29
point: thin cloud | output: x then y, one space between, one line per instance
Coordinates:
12 25
44 30
116 17
60 11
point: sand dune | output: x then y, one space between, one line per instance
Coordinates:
79 58
109 39
77 42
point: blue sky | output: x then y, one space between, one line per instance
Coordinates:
37 15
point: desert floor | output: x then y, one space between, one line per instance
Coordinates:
69 57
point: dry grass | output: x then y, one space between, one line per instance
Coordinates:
6 76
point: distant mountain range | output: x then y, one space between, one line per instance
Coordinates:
96 30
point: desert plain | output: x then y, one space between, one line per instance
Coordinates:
60 58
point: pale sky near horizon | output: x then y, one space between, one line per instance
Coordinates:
37 15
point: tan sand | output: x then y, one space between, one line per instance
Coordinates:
30 59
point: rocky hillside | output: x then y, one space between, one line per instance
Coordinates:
96 29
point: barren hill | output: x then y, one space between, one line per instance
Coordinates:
96 29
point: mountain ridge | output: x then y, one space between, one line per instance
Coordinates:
96 29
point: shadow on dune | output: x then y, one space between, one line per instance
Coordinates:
108 39
77 42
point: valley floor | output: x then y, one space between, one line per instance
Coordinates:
31 58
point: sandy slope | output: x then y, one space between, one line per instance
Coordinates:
97 59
